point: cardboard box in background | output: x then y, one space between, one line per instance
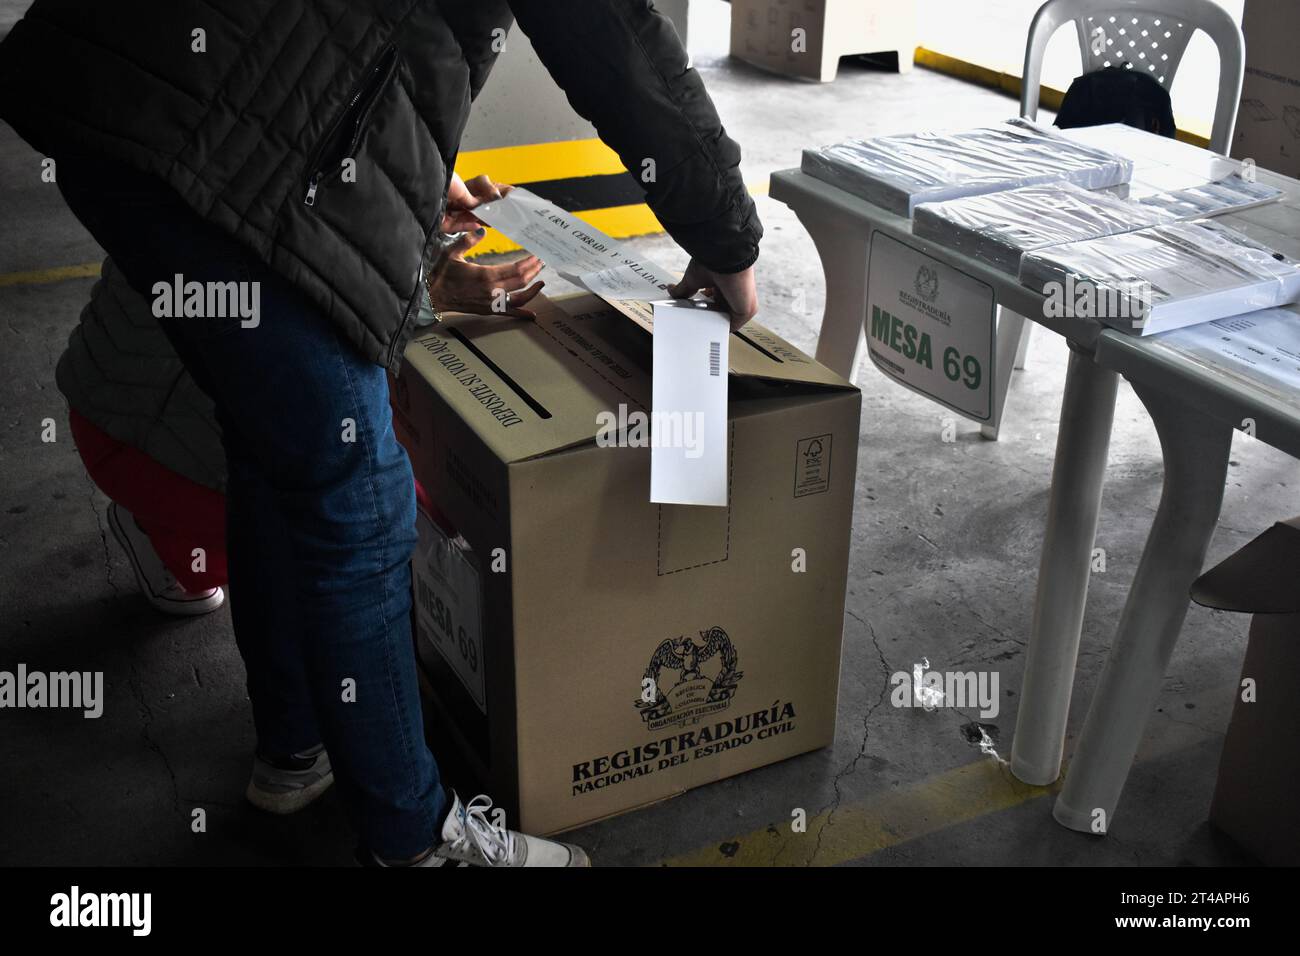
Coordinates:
1255 798
1268 124
762 33
1259 772
592 652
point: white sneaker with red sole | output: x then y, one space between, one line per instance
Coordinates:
160 587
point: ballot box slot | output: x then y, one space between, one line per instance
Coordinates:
758 348
500 373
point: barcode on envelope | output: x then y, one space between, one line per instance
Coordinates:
715 359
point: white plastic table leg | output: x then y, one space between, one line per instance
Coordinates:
1011 329
1022 349
843 246
1195 451
1079 472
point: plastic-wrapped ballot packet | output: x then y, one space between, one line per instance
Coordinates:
998 228
1163 277
900 172
1230 194
1181 178
1260 349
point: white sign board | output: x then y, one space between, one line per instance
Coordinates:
931 327
449 605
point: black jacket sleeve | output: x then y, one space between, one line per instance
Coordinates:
623 69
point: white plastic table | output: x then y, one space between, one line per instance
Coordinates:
1194 416
1195 410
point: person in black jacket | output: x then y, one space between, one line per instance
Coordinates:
302 149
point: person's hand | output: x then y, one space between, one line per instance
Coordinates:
463 197
460 286
735 290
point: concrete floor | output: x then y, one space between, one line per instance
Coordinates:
945 549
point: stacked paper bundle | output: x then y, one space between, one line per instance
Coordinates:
998 228
899 172
1230 194
1258 348
1163 277
1181 178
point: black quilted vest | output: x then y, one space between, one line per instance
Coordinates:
251 133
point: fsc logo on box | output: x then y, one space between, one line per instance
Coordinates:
812 466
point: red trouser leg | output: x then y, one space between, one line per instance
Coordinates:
178 515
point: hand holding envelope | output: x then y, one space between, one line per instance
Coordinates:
464 197
736 292
688 455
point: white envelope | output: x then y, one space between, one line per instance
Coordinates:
688 421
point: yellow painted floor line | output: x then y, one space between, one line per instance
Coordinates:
540 161
982 75
880 821
45 276
1197 133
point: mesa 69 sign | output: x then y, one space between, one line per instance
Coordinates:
930 327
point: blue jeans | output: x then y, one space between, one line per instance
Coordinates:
321 505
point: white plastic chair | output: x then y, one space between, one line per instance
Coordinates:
1147 35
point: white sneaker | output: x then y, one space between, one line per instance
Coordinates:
432 860
160 588
290 784
470 837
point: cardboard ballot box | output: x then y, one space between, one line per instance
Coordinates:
590 651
